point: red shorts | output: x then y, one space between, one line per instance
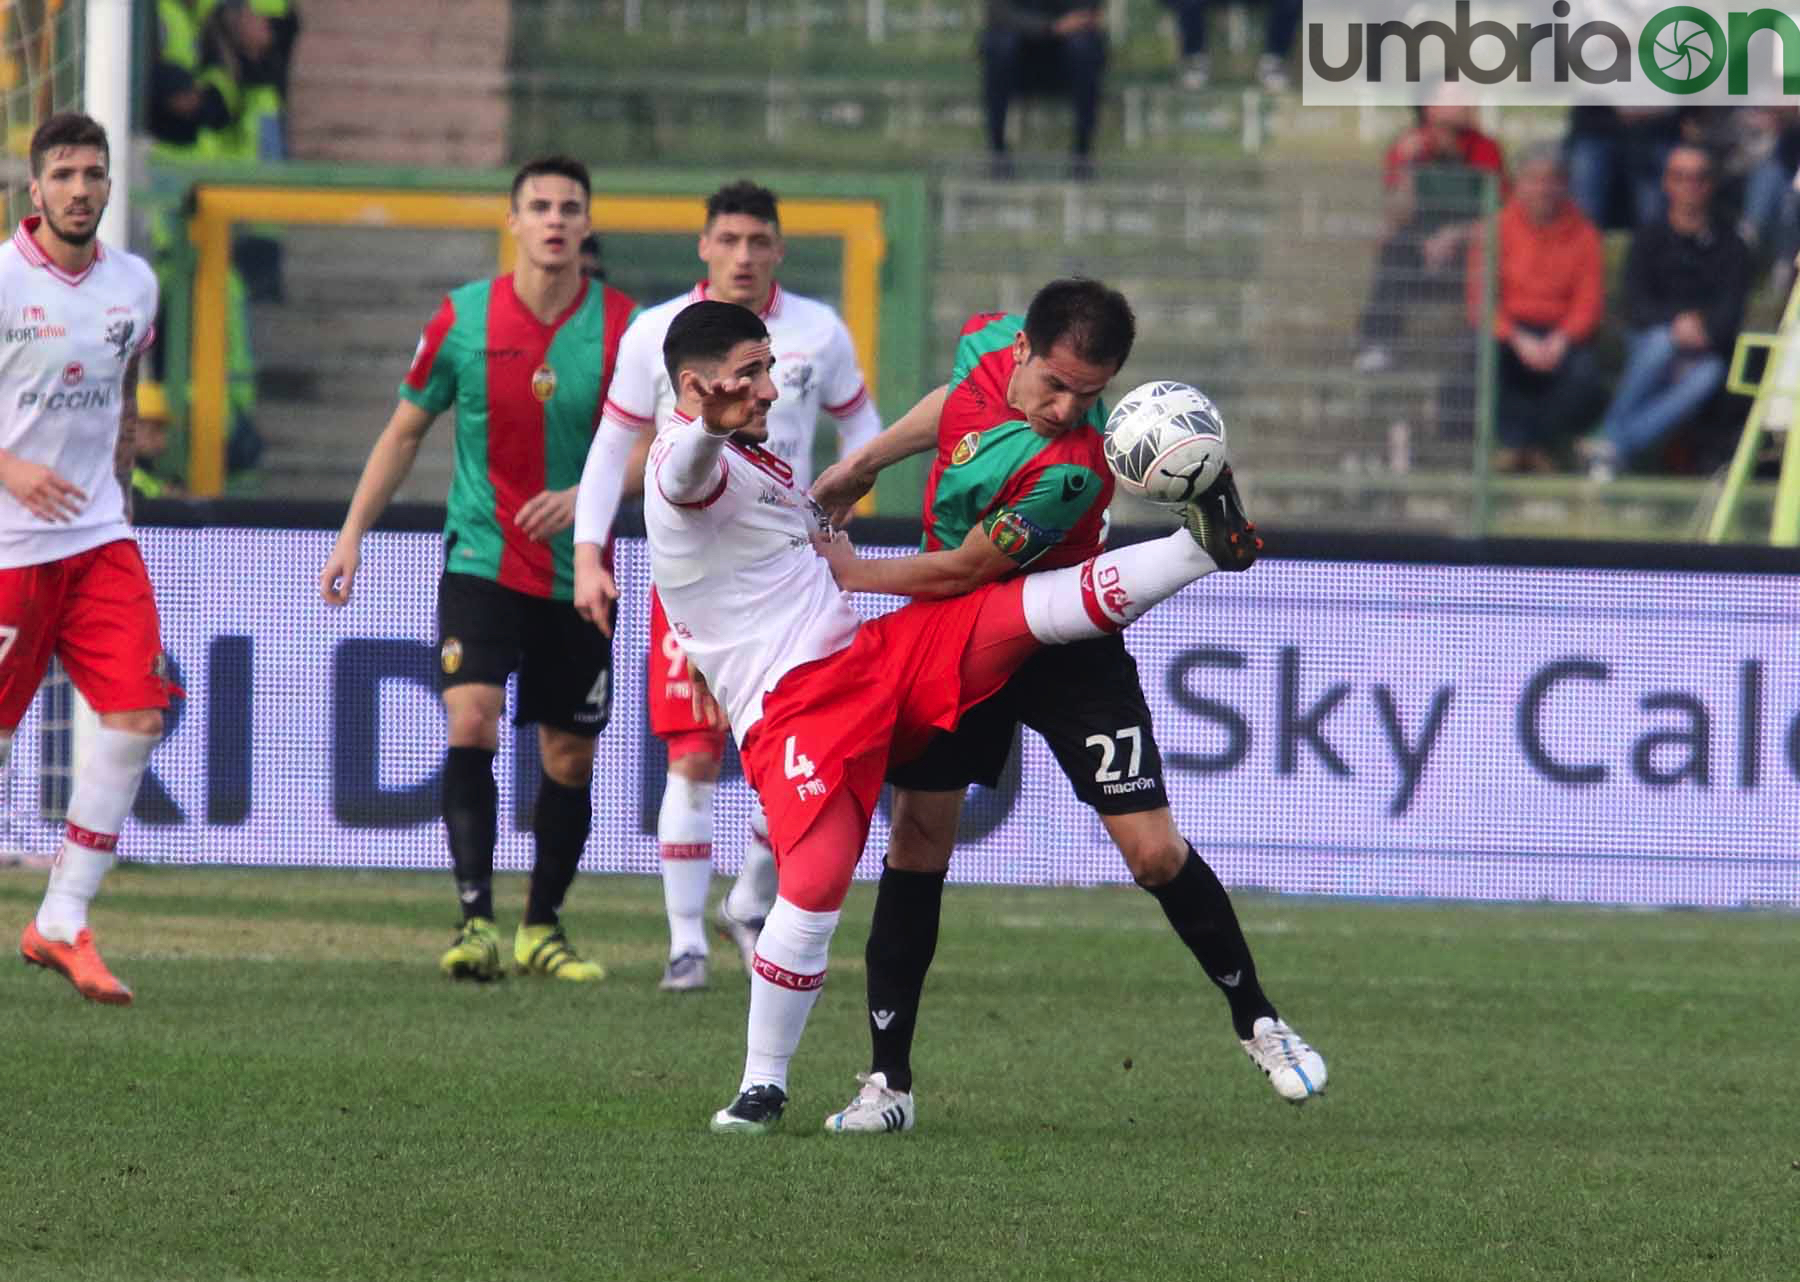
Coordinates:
95 612
670 693
833 724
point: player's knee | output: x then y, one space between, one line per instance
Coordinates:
922 832
810 885
568 758
139 721
1154 858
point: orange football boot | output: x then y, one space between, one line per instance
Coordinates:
78 962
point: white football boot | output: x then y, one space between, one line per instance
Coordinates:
740 931
684 974
1295 1070
876 1109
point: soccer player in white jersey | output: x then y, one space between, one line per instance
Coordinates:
816 369
75 317
755 585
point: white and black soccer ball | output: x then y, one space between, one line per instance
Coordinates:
1166 442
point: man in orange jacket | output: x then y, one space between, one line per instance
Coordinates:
1549 300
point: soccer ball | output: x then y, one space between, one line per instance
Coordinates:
1166 443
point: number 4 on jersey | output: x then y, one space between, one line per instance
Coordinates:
798 765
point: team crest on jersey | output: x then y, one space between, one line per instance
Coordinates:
119 335
450 656
796 377
965 449
543 382
1011 533
72 373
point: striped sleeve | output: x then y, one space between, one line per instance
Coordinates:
430 382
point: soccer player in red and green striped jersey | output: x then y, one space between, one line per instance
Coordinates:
525 360
1019 455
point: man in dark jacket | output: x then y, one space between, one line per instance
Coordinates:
1043 46
1686 280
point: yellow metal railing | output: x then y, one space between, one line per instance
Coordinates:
218 207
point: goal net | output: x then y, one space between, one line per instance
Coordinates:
41 51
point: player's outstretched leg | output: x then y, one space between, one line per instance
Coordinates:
1108 591
684 828
59 938
745 907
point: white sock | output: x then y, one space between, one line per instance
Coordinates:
1105 592
104 791
685 828
753 893
791 957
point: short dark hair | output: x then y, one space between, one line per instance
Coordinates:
67 129
743 197
1090 317
558 166
705 332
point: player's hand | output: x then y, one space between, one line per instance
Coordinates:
41 491
705 708
339 574
727 404
545 515
595 590
839 555
838 490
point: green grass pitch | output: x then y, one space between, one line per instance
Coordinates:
1516 1093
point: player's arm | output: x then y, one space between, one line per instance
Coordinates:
125 451
596 505
949 572
389 463
914 432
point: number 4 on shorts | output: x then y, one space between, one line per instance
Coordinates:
798 765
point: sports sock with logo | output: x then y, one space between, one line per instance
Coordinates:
753 893
684 828
902 941
471 802
1198 908
105 787
1108 591
559 825
791 957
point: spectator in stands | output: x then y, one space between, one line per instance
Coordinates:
1549 297
151 440
194 95
1615 159
1043 46
1686 280
1435 172
1282 22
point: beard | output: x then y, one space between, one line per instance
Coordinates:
77 239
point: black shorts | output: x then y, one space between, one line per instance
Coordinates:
487 632
1087 703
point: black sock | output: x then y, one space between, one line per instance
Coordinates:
1200 911
560 822
902 941
470 802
